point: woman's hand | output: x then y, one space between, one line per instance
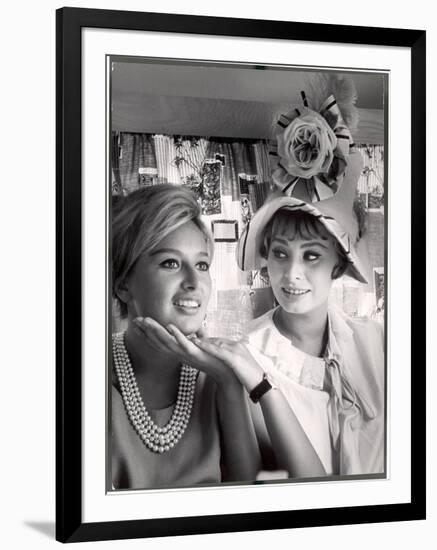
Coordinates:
293 450
220 358
172 340
236 356
240 452
233 367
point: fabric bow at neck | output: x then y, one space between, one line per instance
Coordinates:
348 409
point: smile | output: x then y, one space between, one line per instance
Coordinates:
294 291
187 304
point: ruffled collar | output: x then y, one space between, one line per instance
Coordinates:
348 407
297 365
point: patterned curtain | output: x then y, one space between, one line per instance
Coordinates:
131 155
181 159
371 184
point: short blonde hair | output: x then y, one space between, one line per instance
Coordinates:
142 219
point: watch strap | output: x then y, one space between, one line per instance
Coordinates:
260 389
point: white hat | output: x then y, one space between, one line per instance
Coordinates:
336 214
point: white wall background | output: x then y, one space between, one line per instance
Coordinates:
27 233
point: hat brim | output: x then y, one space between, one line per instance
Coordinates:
249 245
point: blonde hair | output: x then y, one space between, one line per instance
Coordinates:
142 219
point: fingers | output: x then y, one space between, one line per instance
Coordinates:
200 353
141 329
214 356
171 340
185 343
155 334
216 347
194 353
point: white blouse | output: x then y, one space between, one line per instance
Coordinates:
300 378
338 399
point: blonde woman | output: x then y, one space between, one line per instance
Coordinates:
171 424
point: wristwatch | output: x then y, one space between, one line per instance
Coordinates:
262 388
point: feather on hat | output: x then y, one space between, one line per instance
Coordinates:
316 168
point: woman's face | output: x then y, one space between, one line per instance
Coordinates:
300 271
172 284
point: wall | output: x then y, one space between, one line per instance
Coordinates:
28 254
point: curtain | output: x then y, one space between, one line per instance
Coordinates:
130 154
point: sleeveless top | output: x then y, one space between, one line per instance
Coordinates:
194 459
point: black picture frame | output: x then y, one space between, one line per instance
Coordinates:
69 524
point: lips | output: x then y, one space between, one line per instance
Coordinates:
187 304
295 291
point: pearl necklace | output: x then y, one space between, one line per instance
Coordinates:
155 438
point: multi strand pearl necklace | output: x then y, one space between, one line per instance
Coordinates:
157 439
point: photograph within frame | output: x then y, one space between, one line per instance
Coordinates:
73 519
169 144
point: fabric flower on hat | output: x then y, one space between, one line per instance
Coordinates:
306 146
310 155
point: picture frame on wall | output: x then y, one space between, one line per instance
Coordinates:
125 78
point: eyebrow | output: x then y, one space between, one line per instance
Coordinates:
315 243
174 251
306 244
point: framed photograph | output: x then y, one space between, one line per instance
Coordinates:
240 258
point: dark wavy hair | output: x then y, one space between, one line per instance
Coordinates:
303 225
